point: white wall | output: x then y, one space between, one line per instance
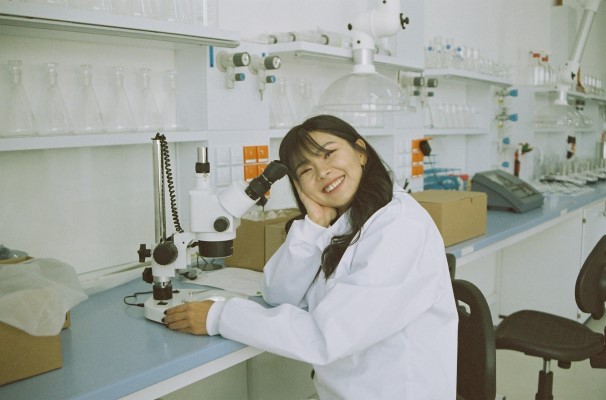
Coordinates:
92 207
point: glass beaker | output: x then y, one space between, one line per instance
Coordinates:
119 115
87 114
149 117
53 116
19 119
281 115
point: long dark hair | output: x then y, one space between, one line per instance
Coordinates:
374 191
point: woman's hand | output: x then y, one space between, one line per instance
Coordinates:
189 317
318 213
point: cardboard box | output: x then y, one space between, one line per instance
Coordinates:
257 239
24 355
459 215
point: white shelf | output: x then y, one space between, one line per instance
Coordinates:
52 18
462 75
94 140
315 51
548 91
452 131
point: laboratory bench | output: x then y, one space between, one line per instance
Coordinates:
111 351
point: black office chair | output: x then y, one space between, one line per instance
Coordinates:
552 337
476 355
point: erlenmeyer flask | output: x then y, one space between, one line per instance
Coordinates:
169 108
87 114
93 5
119 116
149 117
53 116
303 103
144 9
19 119
176 11
281 115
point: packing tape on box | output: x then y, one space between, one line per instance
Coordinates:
35 295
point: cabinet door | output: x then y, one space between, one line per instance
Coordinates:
539 273
594 227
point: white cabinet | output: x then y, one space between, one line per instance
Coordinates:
594 227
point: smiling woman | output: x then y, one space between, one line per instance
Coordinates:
360 288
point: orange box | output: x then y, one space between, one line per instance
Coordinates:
250 154
251 171
262 153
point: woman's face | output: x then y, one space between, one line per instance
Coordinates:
331 177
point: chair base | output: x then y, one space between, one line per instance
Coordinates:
545 389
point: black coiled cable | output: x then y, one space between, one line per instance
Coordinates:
169 182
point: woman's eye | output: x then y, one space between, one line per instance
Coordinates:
303 172
328 153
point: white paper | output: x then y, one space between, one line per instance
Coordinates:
236 280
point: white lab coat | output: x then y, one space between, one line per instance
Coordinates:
384 326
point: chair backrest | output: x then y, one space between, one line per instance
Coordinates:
476 359
590 288
452 264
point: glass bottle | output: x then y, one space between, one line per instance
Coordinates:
149 116
87 114
119 115
19 119
281 115
169 108
53 116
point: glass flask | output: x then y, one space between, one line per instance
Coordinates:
304 102
92 5
53 116
175 11
87 115
144 9
19 119
119 115
281 115
149 116
169 108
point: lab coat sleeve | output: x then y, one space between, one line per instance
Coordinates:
396 275
291 270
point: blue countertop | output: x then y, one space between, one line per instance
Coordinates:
111 350
501 225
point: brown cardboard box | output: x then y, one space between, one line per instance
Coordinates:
459 215
24 355
256 240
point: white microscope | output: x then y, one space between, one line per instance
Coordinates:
214 218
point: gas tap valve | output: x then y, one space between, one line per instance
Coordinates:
227 62
260 65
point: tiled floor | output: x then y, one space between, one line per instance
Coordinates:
517 376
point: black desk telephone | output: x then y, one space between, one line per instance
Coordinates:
506 192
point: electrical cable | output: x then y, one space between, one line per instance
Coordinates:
166 168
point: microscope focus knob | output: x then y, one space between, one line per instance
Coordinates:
147 275
165 253
221 224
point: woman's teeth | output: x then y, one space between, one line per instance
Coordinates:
333 185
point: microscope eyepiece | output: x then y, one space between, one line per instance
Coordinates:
261 184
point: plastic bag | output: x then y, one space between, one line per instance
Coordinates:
35 295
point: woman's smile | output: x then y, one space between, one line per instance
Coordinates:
334 184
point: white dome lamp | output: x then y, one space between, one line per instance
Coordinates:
364 94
